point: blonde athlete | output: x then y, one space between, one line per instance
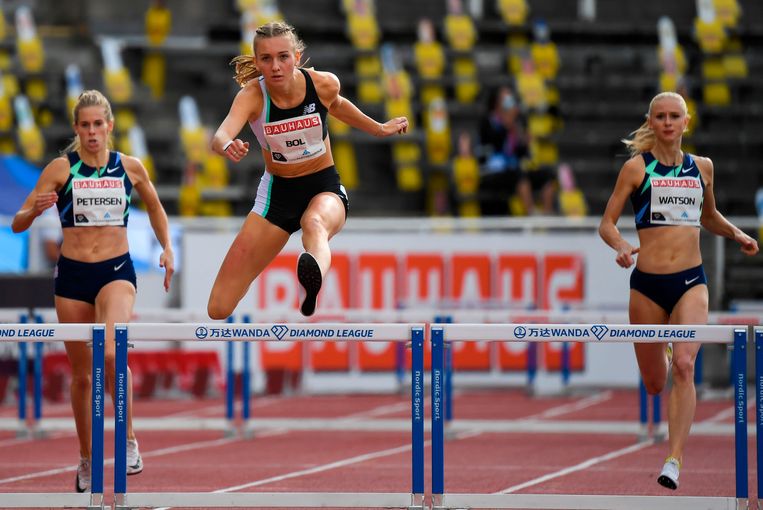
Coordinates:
286 107
672 196
94 276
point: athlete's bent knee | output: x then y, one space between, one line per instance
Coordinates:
217 312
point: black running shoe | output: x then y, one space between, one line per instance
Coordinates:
309 275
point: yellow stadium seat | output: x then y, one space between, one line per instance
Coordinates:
513 12
430 92
716 94
711 36
363 30
7 146
6 114
678 57
189 200
466 175
346 163
158 24
437 126
460 32
546 59
668 82
531 87
467 86
154 73
36 90
735 65
430 59
727 12
713 69
543 153
540 125
519 48
118 85
124 119
409 178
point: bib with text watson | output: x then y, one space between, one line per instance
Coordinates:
98 202
676 201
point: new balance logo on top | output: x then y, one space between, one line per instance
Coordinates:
310 108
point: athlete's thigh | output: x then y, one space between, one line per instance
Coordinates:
255 246
650 356
692 308
78 312
329 209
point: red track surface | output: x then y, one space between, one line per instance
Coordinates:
296 461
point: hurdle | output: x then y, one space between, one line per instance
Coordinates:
589 333
94 333
206 332
758 332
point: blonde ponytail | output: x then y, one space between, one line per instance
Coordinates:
246 69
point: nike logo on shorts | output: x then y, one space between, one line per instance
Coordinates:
689 282
117 268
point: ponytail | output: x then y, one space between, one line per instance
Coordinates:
246 69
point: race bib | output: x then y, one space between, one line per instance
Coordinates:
676 201
98 202
295 140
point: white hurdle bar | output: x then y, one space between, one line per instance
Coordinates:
206 332
735 335
94 333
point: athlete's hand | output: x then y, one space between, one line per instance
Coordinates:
748 245
625 255
43 201
167 261
237 150
398 125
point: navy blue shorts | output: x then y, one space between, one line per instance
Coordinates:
84 280
283 200
667 289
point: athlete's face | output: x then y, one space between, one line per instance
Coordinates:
668 119
93 128
276 59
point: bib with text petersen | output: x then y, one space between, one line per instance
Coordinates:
295 140
98 202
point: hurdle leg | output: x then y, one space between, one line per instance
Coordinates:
96 436
120 420
740 416
22 372
759 411
643 397
417 418
437 416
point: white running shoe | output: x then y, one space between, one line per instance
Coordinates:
669 476
82 480
134 460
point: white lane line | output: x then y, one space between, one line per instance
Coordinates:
730 411
155 453
574 406
577 467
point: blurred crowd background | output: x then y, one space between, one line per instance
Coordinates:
517 106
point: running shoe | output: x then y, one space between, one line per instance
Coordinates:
309 275
82 481
134 460
669 476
